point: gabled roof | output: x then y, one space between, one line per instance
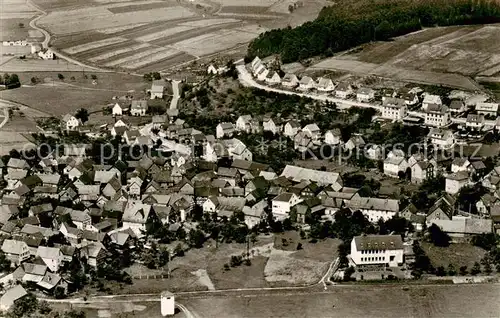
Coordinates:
299 174
12 295
13 247
378 242
49 252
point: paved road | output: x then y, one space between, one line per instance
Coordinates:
246 79
5 105
175 98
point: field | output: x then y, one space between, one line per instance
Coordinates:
142 36
447 56
360 301
12 14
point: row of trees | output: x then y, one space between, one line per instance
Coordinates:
347 25
10 81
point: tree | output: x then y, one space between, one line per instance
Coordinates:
60 76
451 270
82 114
196 238
476 269
438 237
21 25
74 314
486 241
34 80
440 271
463 270
4 262
348 273
11 81
24 306
93 77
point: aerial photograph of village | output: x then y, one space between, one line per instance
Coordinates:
248 159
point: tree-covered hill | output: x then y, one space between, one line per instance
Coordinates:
349 23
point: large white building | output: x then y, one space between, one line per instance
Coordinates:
377 250
437 115
393 108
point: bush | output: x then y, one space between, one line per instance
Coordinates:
463 270
299 246
476 269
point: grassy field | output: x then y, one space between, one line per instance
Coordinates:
361 301
58 101
456 254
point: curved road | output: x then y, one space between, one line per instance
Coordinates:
246 79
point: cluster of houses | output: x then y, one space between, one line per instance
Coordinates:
411 106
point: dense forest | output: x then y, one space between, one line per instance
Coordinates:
350 23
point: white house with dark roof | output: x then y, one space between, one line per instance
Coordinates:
313 131
333 137
15 251
157 89
70 122
423 170
460 164
441 138
291 128
325 85
269 124
437 115
51 256
377 250
118 109
393 108
474 122
135 216
224 130
282 204
343 90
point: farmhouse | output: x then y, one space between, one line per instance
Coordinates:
365 94
313 131
393 108
299 174
487 109
290 80
270 124
384 250
46 54
139 108
374 208
423 170
157 89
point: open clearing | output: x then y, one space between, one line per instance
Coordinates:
94 45
462 254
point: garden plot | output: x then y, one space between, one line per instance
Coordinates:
213 42
94 45
150 59
120 28
96 18
165 33
114 53
134 57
